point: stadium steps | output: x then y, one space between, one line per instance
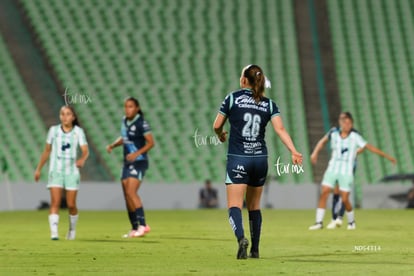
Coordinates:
21 129
179 61
314 115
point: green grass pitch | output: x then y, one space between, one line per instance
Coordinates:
201 242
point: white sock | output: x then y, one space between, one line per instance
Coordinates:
350 216
320 213
72 221
53 223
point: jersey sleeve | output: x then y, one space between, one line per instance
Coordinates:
360 141
226 105
50 134
145 127
329 133
82 138
274 109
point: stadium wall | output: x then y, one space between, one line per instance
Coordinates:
108 196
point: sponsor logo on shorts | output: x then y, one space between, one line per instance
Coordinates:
238 176
239 170
132 170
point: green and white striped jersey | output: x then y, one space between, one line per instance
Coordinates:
64 148
344 151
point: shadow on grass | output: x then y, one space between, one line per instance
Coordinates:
120 240
318 258
191 238
158 239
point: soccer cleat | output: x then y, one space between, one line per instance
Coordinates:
242 252
316 226
136 233
334 224
71 235
54 236
141 231
331 225
351 226
254 255
147 229
338 222
131 234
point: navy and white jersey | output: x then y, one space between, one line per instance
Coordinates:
344 151
248 121
132 133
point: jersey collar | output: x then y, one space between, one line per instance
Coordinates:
130 122
66 132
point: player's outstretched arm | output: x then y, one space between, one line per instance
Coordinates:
319 146
218 127
376 150
43 158
286 139
115 144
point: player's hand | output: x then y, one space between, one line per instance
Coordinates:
393 160
80 163
37 175
109 148
132 156
297 158
314 158
222 137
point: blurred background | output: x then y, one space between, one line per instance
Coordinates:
180 58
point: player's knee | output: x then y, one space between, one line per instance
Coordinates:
71 205
55 205
130 194
325 193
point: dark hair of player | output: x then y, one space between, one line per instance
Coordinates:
256 78
346 115
136 102
75 122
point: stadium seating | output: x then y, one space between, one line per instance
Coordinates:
374 61
23 132
180 59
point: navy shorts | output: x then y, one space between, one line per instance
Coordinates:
246 170
135 170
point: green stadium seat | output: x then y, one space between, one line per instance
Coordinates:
180 62
373 61
22 119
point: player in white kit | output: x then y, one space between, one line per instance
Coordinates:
345 145
61 145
